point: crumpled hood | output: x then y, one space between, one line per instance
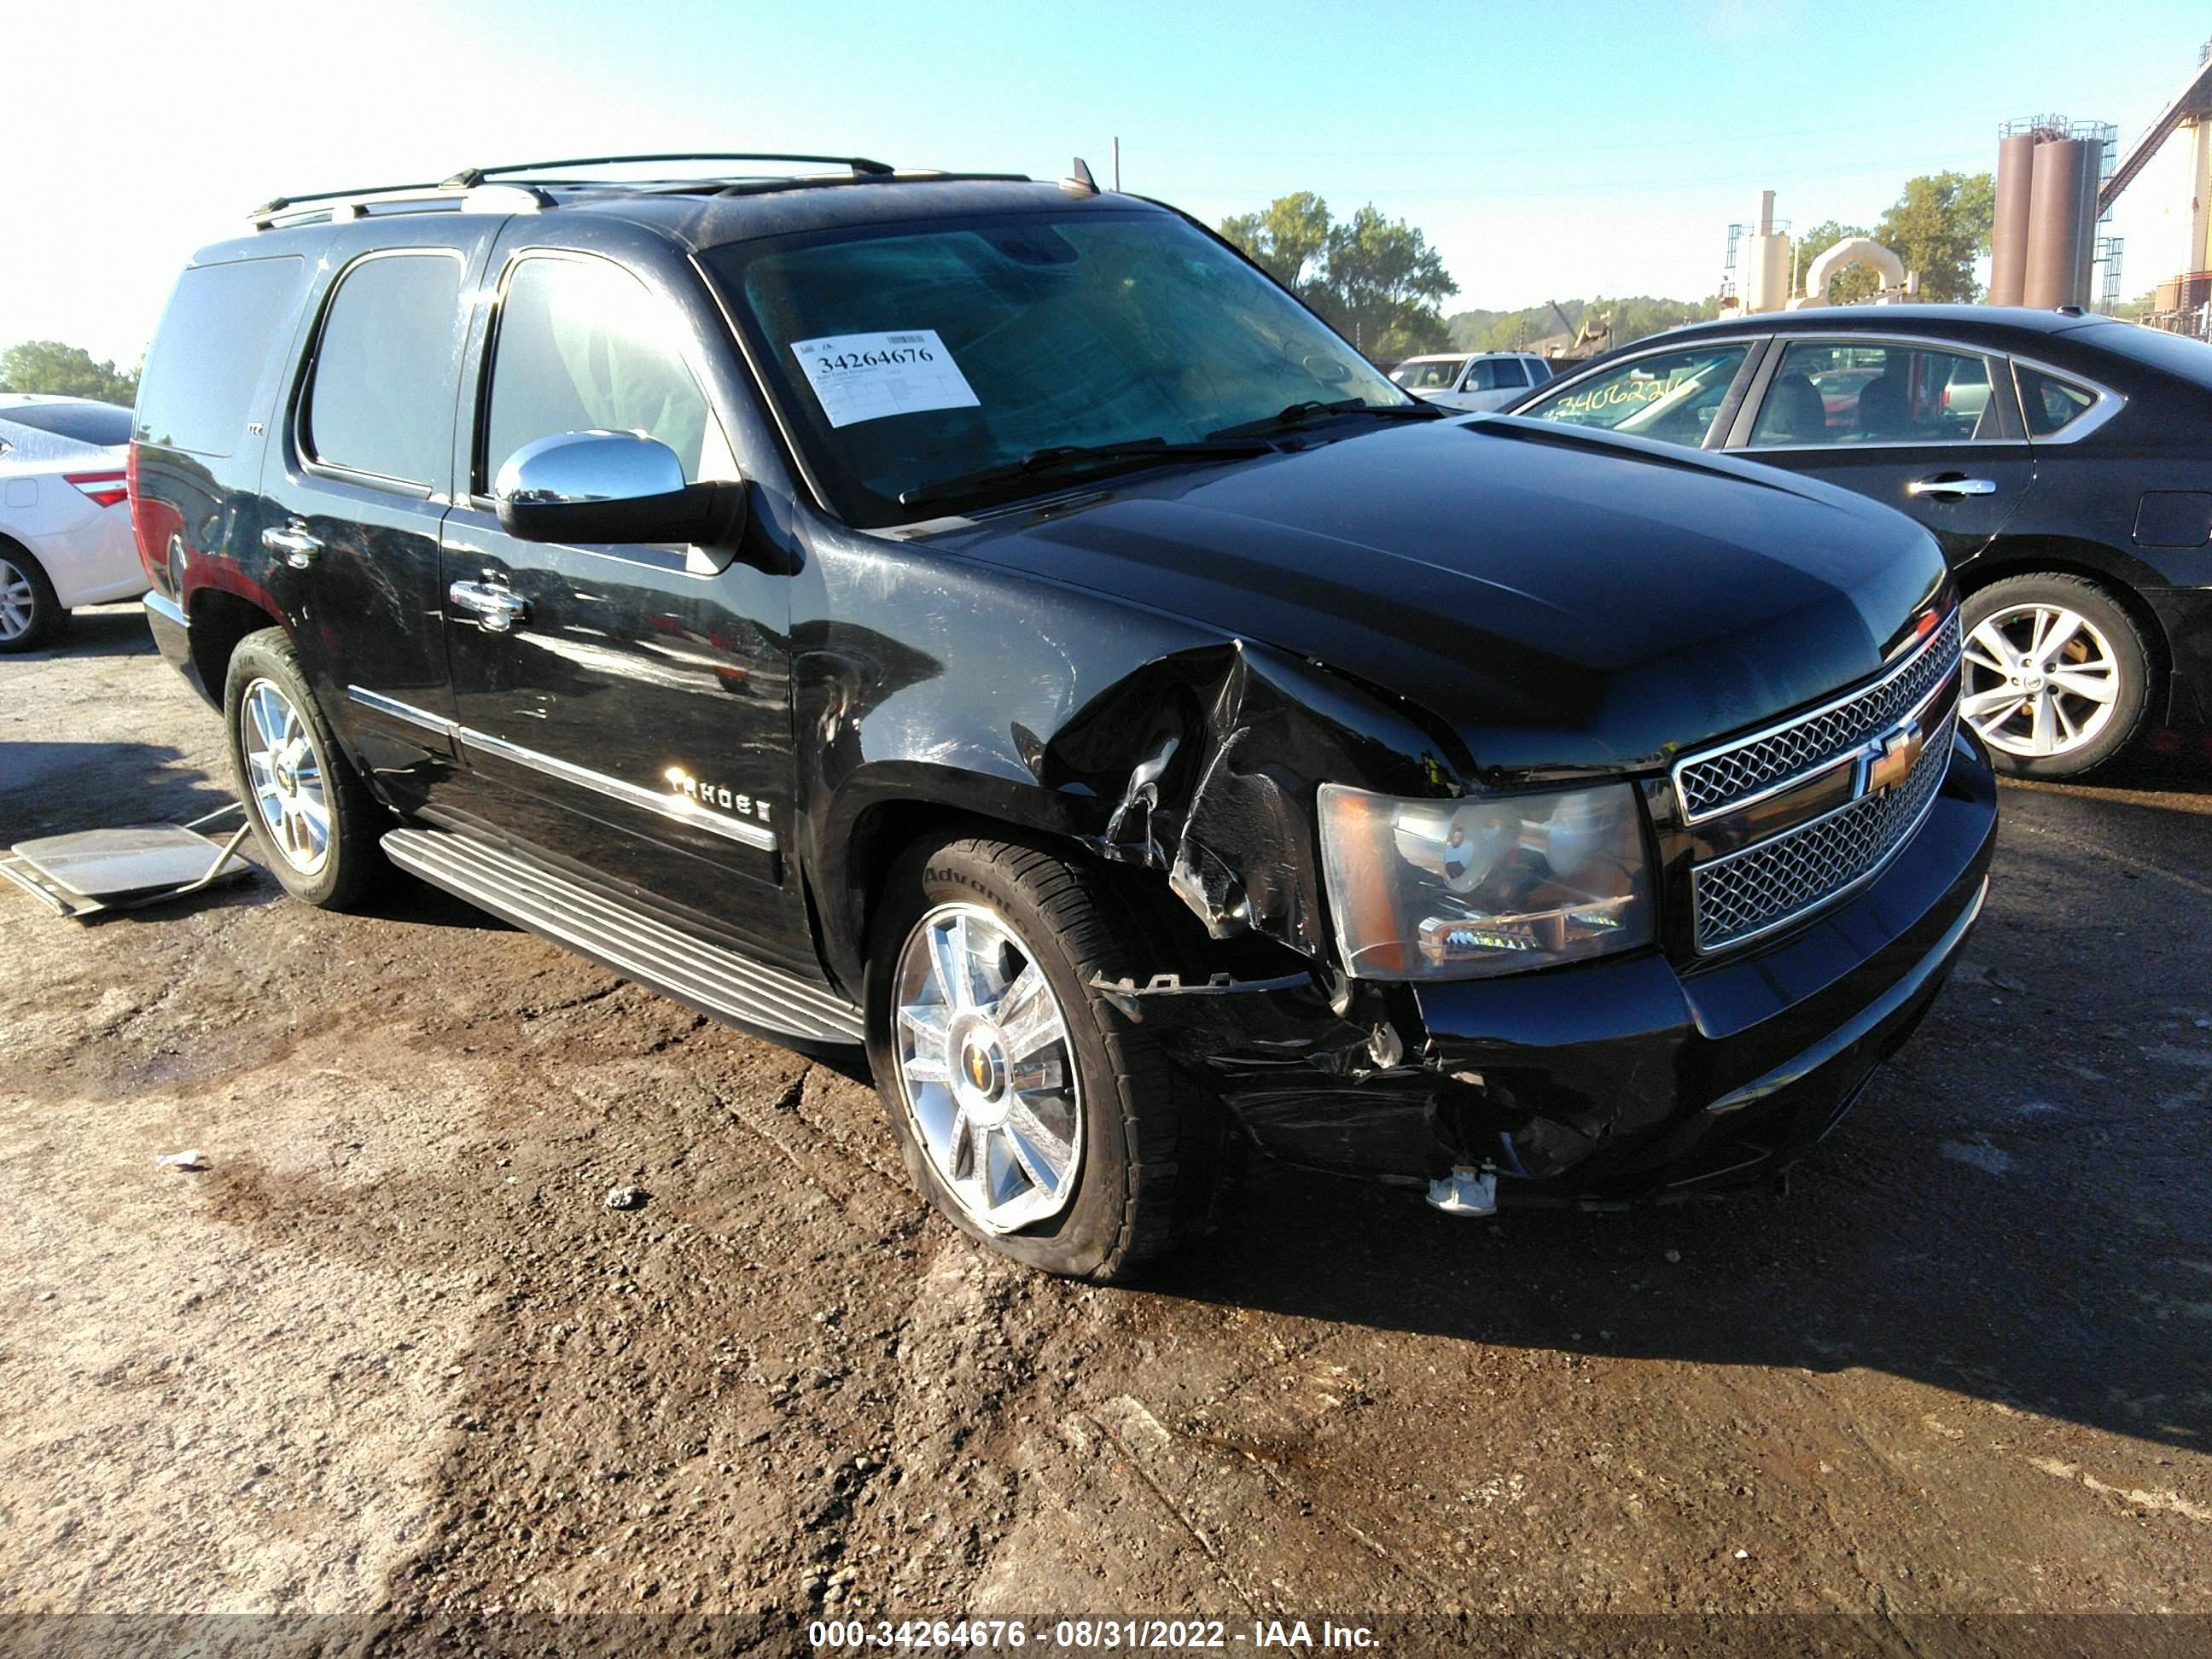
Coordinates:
1565 601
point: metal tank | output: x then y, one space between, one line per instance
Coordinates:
2085 248
2057 273
2009 230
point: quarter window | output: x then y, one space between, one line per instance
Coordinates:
1837 393
583 347
2049 404
1673 396
222 328
382 399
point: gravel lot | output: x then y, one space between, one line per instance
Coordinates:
390 1352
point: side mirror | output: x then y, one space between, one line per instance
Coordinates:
610 487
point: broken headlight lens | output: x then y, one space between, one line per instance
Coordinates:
1462 888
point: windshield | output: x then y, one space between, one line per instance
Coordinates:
903 357
1437 374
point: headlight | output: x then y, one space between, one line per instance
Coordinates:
1440 889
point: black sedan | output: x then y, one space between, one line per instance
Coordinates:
2064 462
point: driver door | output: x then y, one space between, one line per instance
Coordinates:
626 709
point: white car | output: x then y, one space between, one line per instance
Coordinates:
65 535
1488 379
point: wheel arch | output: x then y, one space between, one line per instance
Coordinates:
889 807
219 619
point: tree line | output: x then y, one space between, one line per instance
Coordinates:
65 371
1380 284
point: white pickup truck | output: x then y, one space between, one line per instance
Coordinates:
1485 379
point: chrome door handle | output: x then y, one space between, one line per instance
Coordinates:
495 608
297 546
1950 485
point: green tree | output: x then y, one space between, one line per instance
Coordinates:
1937 225
65 370
1376 280
1385 285
1289 241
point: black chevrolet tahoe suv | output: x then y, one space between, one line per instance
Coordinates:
990 623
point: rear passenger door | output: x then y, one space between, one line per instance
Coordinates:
624 709
1929 430
356 493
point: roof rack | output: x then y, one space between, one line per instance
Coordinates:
856 164
335 206
471 190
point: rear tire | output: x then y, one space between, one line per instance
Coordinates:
315 820
1146 1148
2057 675
31 616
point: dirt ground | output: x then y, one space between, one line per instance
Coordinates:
389 1351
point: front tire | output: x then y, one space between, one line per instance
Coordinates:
2058 678
31 615
315 821
1024 1108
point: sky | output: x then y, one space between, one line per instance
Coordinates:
1547 152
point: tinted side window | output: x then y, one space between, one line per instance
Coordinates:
87 422
1509 372
1479 379
1674 396
1833 393
582 345
215 339
2049 404
382 399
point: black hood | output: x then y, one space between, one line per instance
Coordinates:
1562 599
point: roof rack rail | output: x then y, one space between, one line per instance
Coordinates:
337 205
471 188
857 164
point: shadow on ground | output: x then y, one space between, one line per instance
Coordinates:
115 630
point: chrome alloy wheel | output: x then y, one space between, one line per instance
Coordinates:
286 775
17 604
987 1068
2040 680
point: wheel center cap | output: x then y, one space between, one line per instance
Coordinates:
981 1067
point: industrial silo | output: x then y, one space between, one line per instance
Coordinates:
2009 230
2057 273
2085 245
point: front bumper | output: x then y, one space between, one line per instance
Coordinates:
1612 1081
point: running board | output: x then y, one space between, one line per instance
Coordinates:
631 941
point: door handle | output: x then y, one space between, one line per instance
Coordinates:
496 609
297 546
1950 486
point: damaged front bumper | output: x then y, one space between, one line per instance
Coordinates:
1608 1081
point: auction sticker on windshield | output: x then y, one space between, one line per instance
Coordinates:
864 377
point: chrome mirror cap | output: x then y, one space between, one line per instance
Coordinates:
588 466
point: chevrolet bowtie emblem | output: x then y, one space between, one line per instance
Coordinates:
1889 759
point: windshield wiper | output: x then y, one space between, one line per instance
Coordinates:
1313 410
1075 461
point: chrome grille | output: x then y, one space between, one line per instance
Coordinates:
1714 781
1750 891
